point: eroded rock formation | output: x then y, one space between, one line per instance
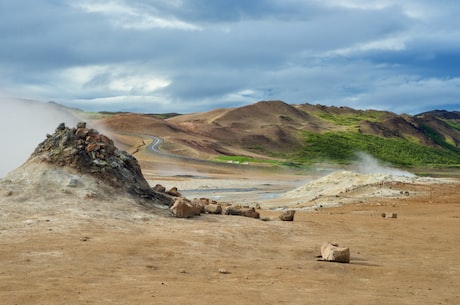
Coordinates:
89 152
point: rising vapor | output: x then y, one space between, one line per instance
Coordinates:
24 124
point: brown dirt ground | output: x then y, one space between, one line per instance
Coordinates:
147 259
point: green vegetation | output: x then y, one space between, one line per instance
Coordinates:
351 119
92 115
245 159
341 147
455 125
439 138
164 116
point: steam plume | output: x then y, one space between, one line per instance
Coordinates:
366 164
24 124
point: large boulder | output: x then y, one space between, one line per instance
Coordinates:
331 252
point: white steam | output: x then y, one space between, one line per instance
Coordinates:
366 164
24 124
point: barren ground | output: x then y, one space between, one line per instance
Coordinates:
118 253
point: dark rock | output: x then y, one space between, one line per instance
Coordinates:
159 188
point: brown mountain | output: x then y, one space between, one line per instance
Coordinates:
268 129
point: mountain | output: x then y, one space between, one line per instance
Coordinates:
303 134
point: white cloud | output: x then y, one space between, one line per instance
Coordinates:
413 9
128 17
123 78
393 43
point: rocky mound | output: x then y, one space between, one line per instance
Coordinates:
87 152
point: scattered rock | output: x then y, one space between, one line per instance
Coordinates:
389 215
181 209
288 215
231 210
252 213
331 252
213 209
159 188
174 192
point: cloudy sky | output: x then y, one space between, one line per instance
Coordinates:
196 55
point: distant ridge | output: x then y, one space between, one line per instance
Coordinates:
298 134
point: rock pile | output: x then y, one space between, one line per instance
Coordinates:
89 152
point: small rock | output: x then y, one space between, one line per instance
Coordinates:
223 271
288 215
213 209
331 252
230 210
174 192
252 213
73 182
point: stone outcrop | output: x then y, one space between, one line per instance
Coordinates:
331 252
89 152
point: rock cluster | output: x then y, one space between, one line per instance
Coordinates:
89 152
185 208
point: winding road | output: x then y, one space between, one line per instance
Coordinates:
154 147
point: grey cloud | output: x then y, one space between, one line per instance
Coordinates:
239 50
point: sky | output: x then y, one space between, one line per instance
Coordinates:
158 56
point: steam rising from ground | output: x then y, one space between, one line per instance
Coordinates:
366 164
24 124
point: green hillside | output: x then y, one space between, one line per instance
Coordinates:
341 147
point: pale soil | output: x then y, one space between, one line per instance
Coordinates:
58 247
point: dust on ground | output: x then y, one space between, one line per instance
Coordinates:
59 245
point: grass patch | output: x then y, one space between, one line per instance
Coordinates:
250 160
350 119
454 124
341 147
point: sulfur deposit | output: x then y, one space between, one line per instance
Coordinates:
343 186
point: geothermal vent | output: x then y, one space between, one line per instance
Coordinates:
85 151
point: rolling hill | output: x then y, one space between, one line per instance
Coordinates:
299 135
